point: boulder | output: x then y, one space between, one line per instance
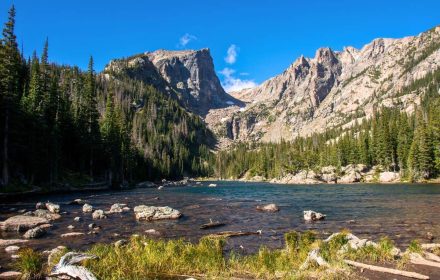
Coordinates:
268 208
77 219
12 249
53 208
22 223
151 213
98 214
87 208
310 215
33 233
328 174
389 177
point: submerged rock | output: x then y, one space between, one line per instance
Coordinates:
152 232
72 234
10 275
151 213
77 201
34 233
268 208
77 219
9 242
310 215
22 223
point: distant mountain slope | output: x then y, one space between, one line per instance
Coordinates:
330 90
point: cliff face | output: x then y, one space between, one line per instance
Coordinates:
335 88
188 76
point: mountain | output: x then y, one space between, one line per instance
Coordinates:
333 89
187 76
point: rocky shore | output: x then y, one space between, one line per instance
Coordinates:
354 173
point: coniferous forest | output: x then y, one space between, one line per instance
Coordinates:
61 125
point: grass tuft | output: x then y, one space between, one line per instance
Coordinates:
30 264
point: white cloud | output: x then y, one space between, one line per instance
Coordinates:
231 83
185 39
232 54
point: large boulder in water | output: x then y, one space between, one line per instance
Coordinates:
310 215
98 214
87 208
152 213
22 223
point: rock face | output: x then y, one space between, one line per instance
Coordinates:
188 76
151 213
332 89
22 223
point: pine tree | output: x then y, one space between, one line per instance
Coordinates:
10 64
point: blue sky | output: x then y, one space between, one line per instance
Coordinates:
266 37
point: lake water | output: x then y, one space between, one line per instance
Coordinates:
402 212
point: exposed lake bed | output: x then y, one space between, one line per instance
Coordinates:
401 212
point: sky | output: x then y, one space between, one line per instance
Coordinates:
250 41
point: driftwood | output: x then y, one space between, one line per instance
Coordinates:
212 224
431 256
66 268
234 233
313 256
387 270
418 259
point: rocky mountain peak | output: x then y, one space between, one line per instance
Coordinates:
188 75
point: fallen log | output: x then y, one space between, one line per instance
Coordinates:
234 233
430 246
431 256
418 259
212 224
409 274
66 268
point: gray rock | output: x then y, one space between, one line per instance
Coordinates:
34 233
77 219
151 213
310 215
46 214
9 242
10 275
87 208
152 232
117 208
121 243
72 234
70 227
98 214
53 208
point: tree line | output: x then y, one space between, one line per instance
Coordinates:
61 125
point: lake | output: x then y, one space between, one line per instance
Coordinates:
401 211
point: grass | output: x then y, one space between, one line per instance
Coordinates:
145 258
31 264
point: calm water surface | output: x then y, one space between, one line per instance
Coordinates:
402 212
